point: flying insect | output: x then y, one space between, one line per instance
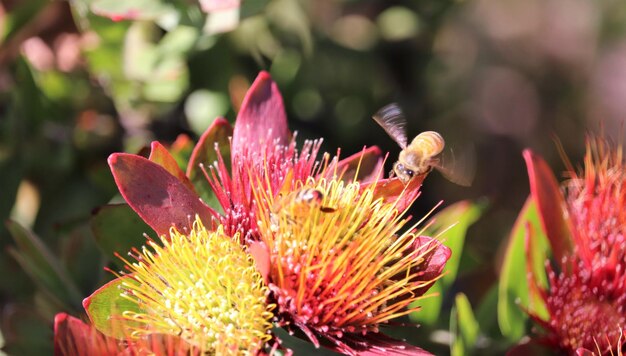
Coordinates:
423 153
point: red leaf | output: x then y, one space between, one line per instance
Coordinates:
435 261
262 120
437 258
73 337
393 190
160 156
366 166
550 203
258 251
379 344
529 347
158 197
205 150
181 145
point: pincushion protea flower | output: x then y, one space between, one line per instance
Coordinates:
163 195
263 162
201 287
340 268
586 298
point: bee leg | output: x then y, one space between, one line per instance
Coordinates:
392 174
327 209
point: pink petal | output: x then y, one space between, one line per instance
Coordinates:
377 344
74 337
393 190
365 166
430 256
584 352
204 151
436 260
258 250
262 120
158 197
531 347
216 5
550 203
160 156
181 145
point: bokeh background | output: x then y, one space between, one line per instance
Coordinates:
493 76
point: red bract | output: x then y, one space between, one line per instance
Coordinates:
74 337
261 161
261 147
586 227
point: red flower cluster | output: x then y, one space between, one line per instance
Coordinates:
349 253
586 227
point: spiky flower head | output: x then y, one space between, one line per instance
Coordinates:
219 168
596 202
581 314
586 298
339 267
201 286
262 146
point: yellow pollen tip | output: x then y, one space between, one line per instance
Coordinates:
337 257
202 287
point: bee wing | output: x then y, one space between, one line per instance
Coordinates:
459 169
391 118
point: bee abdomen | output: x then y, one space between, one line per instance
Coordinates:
310 196
429 142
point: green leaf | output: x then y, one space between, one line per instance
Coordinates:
430 307
27 333
178 42
19 16
107 302
463 326
139 51
10 176
513 285
456 218
131 9
487 319
118 228
252 8
216 136
40 264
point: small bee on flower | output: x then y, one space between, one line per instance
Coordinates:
425 152
299 204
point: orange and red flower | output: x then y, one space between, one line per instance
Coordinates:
586 226
337 272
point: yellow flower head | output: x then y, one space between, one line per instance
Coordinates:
338 264
202 287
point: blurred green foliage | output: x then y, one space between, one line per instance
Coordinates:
76 85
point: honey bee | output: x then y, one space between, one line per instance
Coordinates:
297 205
425 152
